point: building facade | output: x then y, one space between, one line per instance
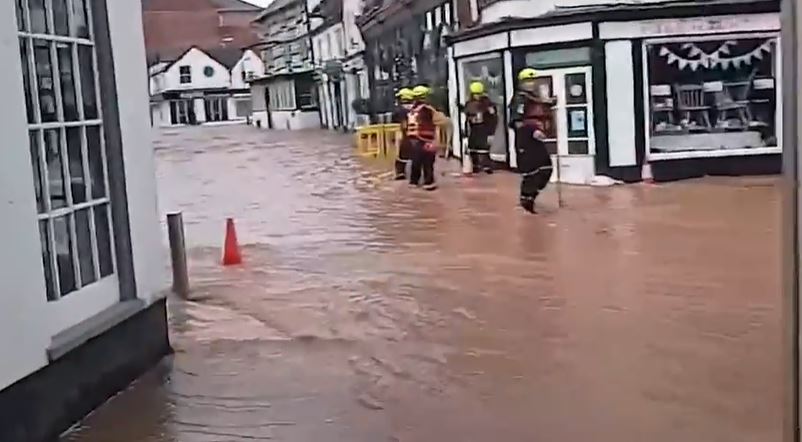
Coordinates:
203 87
405 46
81 308
338 49
285 96
696 87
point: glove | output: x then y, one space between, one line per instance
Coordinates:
538 135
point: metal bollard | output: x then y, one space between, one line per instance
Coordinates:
178 253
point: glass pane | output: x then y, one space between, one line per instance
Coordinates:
60 12
18 5
55 171
44 79
94 148
575 92
87 68
36 164
80 21
47 261
66 271
83 235
76 165
38 16
103 240
26 79
577 122
577 148
551 147
66 72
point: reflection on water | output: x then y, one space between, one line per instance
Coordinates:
369 311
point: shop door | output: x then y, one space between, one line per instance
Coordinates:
571 142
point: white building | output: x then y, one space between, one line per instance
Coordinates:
203 86
338 48
81 306
654 89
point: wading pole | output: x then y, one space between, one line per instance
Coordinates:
559 182
178 254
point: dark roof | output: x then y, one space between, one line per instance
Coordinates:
621 11
236 4
275 6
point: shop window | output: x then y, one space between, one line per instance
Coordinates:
306 92
67 145
282 95
490 71
185 74
216 108
244 108
182 112
712 94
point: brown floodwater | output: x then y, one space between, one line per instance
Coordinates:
369 311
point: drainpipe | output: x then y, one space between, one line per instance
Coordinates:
792 141
312 56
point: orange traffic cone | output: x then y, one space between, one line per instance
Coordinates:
231 252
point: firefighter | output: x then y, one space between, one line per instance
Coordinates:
404 99
482 118
422 131
531 117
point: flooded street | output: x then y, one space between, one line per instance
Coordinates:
370 311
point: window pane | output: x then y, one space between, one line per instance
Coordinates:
76 165
47 261
103 240
87 68
577 121
80 20
94 148
55 171
60 17
44 79
577 147
575 92
83 235
66 271
36 164
66 72
26 79
38 16
20 14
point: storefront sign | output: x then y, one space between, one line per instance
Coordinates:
769 22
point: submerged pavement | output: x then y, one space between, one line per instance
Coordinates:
370 311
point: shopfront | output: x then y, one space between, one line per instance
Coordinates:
641 91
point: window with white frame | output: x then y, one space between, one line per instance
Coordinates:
282 95
67 145
182 112
216 108
711 94
185 74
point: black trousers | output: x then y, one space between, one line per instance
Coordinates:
422 164
479 151
404 157
534 164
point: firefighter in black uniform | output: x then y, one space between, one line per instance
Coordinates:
482 118
531 117
404 99
422 131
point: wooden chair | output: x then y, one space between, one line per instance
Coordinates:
691 105
734 97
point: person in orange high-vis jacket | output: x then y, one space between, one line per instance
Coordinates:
422 134
404 101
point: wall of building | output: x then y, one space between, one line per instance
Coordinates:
250 64
497 10
198 61
287 120
27 321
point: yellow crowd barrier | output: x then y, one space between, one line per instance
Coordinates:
383 140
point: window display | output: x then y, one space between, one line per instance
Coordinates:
712 94
490 71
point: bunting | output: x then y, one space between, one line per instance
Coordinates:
718 58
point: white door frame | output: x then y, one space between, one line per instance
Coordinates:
572 161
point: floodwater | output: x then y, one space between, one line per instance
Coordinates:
370 311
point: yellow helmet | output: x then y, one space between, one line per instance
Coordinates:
420 91
405 94
477 88
527 74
